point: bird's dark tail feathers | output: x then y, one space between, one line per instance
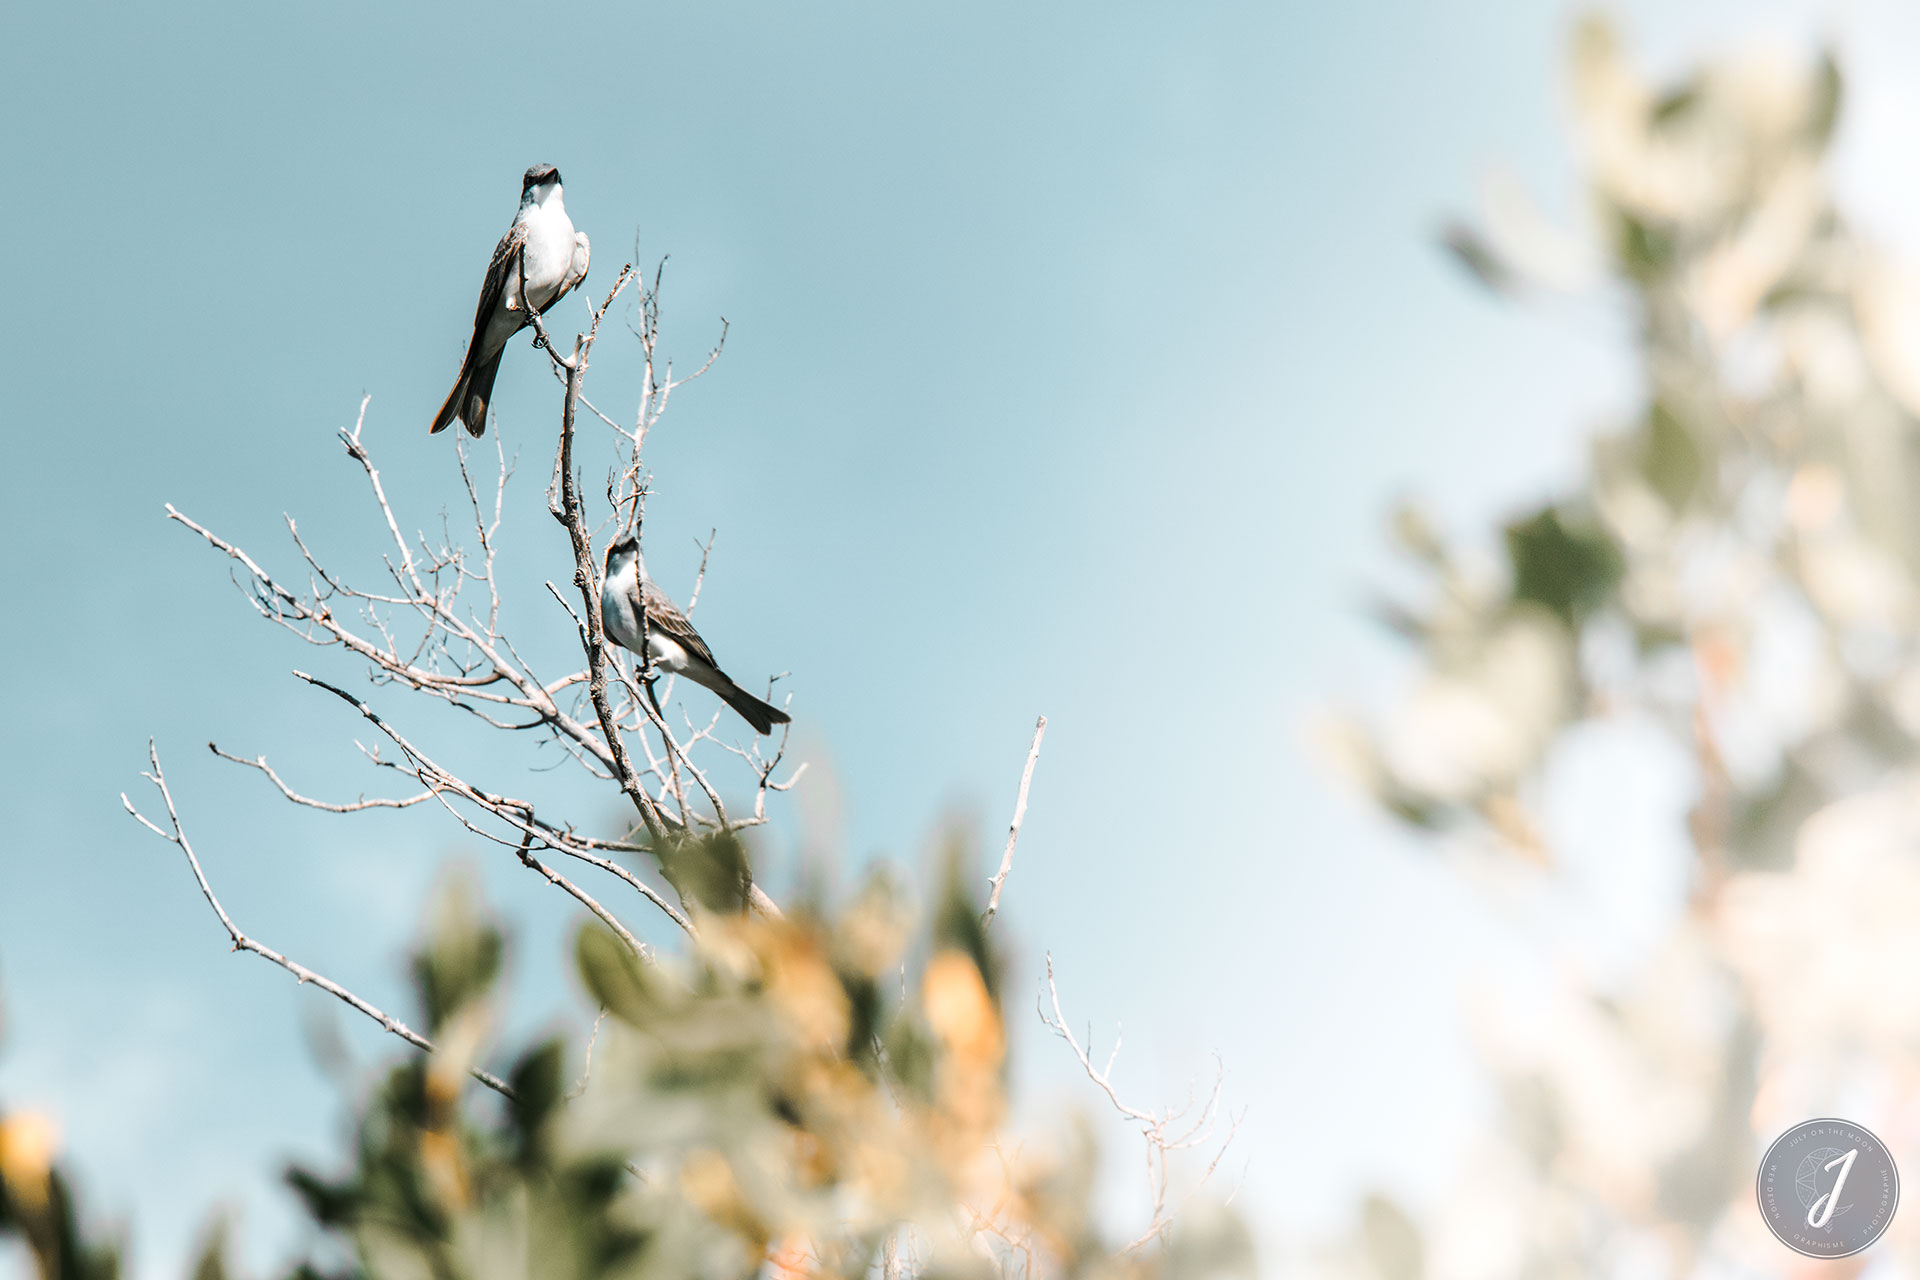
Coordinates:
451 409
469 399
480 394
761 715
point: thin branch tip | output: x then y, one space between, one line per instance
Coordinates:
999 879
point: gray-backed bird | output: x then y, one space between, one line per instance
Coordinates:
670 640
542 246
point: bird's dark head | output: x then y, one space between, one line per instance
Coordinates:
539 175
622 549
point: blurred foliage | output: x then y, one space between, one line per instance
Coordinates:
37 1204
1567 567
1775 462
815 1094
1730 587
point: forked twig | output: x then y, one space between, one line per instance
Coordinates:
1175 1129
241 942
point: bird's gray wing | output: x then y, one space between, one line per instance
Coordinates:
577 269
664 616
503 280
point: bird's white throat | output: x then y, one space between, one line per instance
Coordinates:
546 197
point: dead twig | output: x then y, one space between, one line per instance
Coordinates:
1179 1128
177 837
1013 828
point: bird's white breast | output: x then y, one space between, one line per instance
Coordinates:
618 596
620 615
549 250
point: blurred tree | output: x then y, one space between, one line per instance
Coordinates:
37 1204
782 1101
1737 573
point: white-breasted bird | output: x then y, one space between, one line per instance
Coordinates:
627 594
542 246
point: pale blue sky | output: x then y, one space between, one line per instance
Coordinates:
1077 351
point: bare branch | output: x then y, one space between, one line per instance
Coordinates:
416 630
1013 829
566 508
586 1068
357 806
460 684
520 815
177 836
1176 1129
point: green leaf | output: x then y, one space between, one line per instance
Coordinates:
1676 103
614 975
79 1258
713 872
956 920
1646 252
536 1081
1829 92
1671 460
866 1010
1566 567
910 1058
461 956
1471 250
328 1203
1415 811
211 1264
1397 618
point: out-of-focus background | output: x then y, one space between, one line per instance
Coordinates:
1077 360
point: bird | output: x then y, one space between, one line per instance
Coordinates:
541 245
670 642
